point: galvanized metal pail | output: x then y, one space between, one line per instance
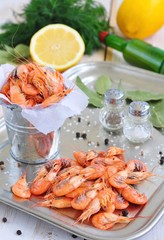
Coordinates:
28 145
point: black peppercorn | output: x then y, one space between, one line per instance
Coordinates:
106 141
77 134
19 232
125 213
74 236
161 162
4 219
84 135
79 119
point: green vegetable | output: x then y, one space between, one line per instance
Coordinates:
94 98
102 84
88 17
14 55
157 113
143 96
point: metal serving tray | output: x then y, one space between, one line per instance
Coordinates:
87 122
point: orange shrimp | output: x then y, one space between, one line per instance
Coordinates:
35 84
117 180
77 192
56 202
137 177
81 201
107 198
92 208
84 158
21 188
98 169
70 183
120 202
47 175
55 98
111 170
112 151
106 220
131 195
136 166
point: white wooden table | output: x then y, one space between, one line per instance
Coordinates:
31 227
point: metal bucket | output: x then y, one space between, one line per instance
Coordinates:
28 145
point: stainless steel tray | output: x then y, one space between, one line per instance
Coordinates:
132 78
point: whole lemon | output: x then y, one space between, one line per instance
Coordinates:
140 18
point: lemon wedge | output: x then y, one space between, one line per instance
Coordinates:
57 45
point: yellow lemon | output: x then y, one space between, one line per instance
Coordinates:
57 45
140 18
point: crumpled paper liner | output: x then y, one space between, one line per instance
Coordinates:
51 118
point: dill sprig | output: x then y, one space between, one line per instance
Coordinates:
86 16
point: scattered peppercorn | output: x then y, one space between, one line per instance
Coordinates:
125 213
161 162
77 134
19 164
106 141
160 153
79 119
74 236
18 232
88 123
98 144
84 135
4 219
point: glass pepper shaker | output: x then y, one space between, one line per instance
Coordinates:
112 114
137 126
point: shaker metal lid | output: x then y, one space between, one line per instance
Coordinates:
139 108
114 96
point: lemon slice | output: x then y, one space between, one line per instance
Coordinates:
57 45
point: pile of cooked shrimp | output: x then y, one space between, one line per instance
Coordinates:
30 84
95 182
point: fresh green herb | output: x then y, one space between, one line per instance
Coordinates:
94 98
14 55
157 113
88 17
143 96
102 84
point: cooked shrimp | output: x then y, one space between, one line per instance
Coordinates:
93 207
84 158
112 151
56 202
117 180
136 165
30 84
47 175
137 177
81 201
107 198
106 161
21 188
131 195
98 169
120 202
55 98
106 220
77 192
70 183
111 170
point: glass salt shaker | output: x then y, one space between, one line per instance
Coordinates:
137 126
112 114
